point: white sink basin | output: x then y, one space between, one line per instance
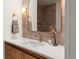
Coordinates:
33 43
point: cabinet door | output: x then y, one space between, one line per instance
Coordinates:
7 54
12 53
27 56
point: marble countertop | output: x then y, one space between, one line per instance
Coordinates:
56 52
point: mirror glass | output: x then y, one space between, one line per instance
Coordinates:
41 15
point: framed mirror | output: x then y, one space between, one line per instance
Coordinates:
41 15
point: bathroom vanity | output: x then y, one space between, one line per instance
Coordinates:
32 49
42 32
14 52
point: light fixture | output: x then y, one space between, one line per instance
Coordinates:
24 10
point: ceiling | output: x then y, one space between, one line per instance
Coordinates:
47 2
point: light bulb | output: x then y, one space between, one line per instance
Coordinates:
23 9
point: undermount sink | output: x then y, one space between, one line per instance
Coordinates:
33 44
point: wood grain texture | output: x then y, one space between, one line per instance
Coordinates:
14 52
27 56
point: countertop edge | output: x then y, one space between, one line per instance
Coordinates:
23 48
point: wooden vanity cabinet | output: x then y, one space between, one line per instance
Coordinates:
26 56
13 52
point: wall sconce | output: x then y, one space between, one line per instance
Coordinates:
24 10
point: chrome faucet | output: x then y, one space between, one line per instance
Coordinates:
53 33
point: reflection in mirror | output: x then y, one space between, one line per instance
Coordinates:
46 15
43 15
40 15
25 15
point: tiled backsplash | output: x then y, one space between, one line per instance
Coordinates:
45 36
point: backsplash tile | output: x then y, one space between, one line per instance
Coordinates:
45 36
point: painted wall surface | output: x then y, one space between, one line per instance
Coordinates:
10 7
70 29
33 14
